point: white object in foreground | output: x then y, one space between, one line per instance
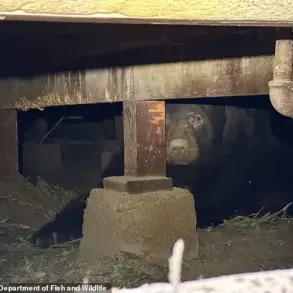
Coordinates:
278 281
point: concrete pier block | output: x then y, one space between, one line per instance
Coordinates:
144 224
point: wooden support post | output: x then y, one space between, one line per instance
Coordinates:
144 138
8 143
144 148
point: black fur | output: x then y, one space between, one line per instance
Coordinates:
66 226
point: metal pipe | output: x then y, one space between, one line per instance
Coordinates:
281 87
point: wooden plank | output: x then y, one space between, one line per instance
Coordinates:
200 12
9 143
144 138
242 65
211 78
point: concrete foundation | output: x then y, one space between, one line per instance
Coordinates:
146 224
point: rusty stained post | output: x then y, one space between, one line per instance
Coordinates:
8 143
144 138
144 149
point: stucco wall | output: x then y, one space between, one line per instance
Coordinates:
240 11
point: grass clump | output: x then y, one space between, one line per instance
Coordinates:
256 219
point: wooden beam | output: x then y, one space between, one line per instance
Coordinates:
45 90
195 79
230 66
9 143
200 12
144 138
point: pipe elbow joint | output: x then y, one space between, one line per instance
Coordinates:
281 96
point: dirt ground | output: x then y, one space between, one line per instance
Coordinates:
240 245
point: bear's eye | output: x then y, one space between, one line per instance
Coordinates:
195 120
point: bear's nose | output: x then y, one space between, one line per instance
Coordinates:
178 145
